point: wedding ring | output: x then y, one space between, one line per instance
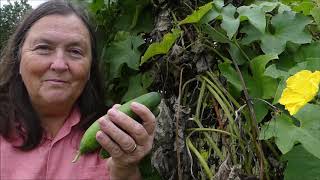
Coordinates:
133 149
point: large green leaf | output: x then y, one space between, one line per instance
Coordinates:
229 23
261 109
259 85
197 15
123 51
270 6
265 84
288 27
133 16
96 5
304 7
213 13
236 54
228 72
286 133
258 64
216 34
274 72
307 51
135 88
161 47
301 165
255 15
280 88
315 12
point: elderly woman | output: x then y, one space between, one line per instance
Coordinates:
50 92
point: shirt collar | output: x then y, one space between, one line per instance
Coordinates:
72 120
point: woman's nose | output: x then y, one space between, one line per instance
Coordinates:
59 62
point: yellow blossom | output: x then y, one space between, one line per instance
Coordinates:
301 88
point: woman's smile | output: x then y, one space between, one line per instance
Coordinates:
56 81
56 60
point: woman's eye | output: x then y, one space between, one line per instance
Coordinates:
42 49
76 52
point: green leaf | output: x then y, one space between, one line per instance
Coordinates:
286 133
132 15
259 85
266 84
211 15
261 109
229 23
161 47
215 34
274 72
255 15
301 165
135 88
123 51
283 129
270 6
148 172
315 12
147 79
307 51
288 27
281 86
96 5
197 15
218 4
232 77
236 54
304 7
258 64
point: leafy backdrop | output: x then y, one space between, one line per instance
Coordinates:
221 67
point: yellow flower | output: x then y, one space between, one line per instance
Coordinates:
301 88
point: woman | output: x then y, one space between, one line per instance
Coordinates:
50 92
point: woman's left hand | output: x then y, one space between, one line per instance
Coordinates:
126 140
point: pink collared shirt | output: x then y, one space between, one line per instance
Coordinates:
52 158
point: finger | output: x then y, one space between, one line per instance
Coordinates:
106 142
116 106
129 125
148 118
126 142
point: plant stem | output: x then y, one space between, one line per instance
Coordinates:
219 85
241 50
233 128
212 130
254 125
219 92
218 53
200 158
225 109
197 120
177 127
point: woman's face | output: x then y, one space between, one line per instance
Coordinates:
55 60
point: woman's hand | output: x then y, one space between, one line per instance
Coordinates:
126 140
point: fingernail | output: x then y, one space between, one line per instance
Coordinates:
112 113
103 122
99 135
135 105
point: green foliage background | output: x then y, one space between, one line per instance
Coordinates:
226 62
221 67
10 15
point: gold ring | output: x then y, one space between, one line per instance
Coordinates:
133 149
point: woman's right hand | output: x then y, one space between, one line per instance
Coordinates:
126 140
